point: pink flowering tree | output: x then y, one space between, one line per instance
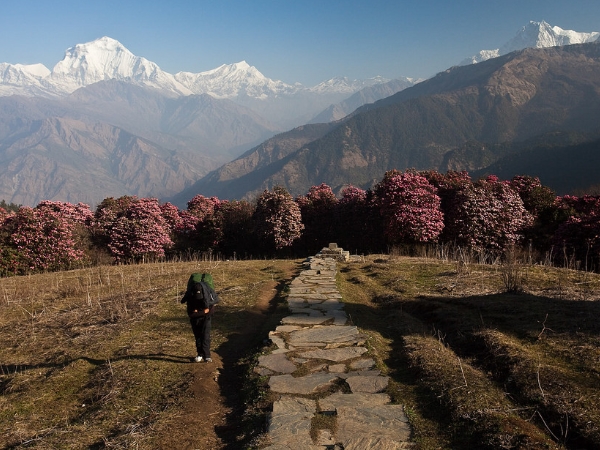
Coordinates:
51 236
536 197
410 208
133 229
277 219
202 207
207 233
236 229
359 222
577 238
317 208
10 260
487 214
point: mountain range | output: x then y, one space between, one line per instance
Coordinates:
501 115
104 122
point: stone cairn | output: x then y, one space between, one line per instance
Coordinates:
317 352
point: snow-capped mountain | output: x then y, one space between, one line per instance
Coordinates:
346 85
286 105
232 80
107 59
14 78
536 35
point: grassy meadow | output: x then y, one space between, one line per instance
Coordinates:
100 357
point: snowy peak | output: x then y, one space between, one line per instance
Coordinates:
233 80
344 85
535 35
542 34
13 78
105 59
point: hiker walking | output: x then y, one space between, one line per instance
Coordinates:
201 299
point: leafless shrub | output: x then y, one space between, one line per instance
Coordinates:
512 272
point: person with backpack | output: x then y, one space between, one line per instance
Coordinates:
201 299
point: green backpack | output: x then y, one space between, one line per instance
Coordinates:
199 278
197 297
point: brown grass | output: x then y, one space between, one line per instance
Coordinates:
100 357
477 366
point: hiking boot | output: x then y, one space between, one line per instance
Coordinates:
208 360
199 359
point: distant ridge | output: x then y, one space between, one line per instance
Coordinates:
465 118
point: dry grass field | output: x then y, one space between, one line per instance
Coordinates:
479 367
100 357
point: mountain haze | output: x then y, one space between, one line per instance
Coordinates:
105 122
493 105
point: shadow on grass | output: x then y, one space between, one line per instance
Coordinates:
453 321
236 354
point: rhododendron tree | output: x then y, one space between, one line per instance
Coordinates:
487 214
578 236
535 196
277 219
359 222
133 228
10 261
50 236
410 208
317 208
207 231
236 226
202 207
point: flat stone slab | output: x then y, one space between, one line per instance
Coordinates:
328 305
362 443
287 328
277 363
290 421
307 311
337 368
325 334
331 403
301 319
386 422
368 384
308 384
297 303
335 354
362 364
277 340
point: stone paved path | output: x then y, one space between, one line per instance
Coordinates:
321 367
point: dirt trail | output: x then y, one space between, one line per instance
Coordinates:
212 419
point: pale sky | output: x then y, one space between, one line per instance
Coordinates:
306 41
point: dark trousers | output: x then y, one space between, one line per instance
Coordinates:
201 329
